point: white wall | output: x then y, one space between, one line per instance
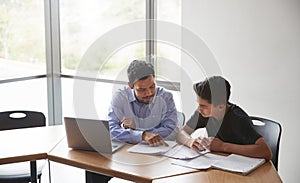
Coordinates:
256 44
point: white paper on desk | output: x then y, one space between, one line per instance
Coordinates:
239 163
153 150
201 162
183 152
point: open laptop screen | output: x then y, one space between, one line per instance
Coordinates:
89 134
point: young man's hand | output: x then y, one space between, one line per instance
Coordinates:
217 145
200 143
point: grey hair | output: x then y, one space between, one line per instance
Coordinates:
139 70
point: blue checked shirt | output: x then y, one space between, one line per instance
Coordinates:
158 117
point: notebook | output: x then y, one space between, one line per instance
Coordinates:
90 135
234 163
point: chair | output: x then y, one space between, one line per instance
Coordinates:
271 132
20 172
181 119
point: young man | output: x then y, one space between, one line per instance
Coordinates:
228 126
142 111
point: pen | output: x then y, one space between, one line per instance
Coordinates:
165 144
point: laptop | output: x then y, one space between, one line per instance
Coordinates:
90 135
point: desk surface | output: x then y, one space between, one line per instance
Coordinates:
265 173
147 168
41 142
29 143
122 164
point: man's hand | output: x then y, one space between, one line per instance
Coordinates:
153 139
128 123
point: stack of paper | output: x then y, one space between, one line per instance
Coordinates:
200 160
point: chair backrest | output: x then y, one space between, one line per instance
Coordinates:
21 119
181 119
271 132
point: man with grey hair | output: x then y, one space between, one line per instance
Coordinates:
142 111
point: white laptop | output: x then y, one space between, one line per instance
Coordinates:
90 135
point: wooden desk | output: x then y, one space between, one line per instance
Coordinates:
157 169
29 144
32 144
121 164
265 173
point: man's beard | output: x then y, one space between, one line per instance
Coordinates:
147 100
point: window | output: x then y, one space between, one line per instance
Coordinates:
168 61
169 53
84 26
84 22
22 56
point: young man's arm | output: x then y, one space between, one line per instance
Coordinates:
259 150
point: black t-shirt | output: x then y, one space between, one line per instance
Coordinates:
235 128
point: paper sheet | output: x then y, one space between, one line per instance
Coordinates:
183 152
153 150
201 162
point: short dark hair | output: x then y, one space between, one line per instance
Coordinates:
139 70
215 89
